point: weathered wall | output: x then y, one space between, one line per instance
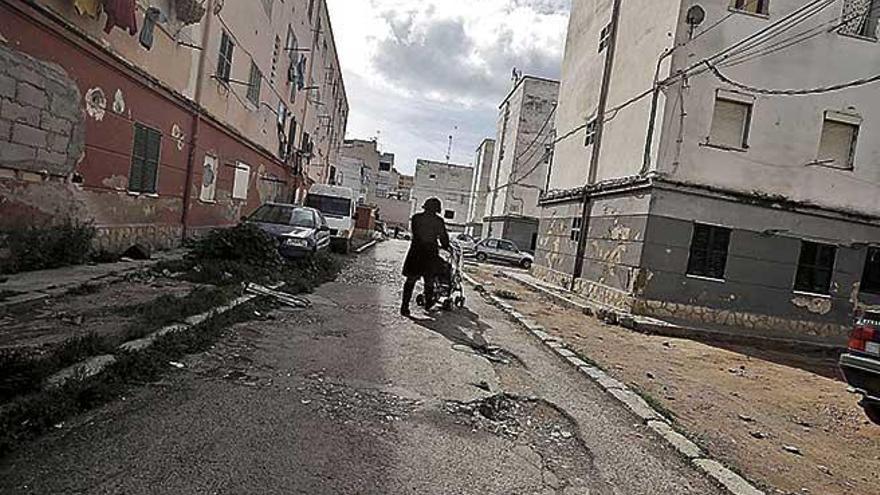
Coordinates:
450 183
481 184
41 123
785 132
519 230
394 212
757 293
96 167
646 30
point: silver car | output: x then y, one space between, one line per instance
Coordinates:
503 250
300 231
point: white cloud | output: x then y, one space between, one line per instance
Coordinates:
414 69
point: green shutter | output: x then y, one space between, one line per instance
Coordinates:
151 161
135 176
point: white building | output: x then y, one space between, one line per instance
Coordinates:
522 156
735 203
354 173
450 183
480 187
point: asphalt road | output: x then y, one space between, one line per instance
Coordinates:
349 397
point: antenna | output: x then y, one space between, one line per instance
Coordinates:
449 149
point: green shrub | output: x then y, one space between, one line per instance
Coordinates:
40 248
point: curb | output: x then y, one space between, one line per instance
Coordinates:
365 247
654 326
95 365
632 401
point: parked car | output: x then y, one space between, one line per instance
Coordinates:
300 231
860 364
466 243
503 250
339 207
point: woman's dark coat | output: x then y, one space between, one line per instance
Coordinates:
428 236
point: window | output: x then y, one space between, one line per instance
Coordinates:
592 127
861 18
449 215
224 64
708 256
576 224
604 37
255 82
491 244
276 51
311 9
384 166
209 179
751 6
506 246
144 159
871 275
432 177
815 266
242 181
730 124
837 146
548 154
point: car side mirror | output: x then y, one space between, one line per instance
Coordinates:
324 228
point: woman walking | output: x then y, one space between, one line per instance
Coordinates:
423 259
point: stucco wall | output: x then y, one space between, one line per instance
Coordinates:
451 184
785 131
482 181
647 28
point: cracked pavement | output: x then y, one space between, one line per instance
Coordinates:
349 397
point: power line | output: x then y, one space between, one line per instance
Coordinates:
724 19
793 92
800 38
538 135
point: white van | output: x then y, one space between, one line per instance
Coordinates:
339 208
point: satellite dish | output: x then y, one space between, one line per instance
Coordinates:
695 16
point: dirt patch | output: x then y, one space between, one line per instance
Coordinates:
781 426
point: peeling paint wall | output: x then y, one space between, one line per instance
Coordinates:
91 182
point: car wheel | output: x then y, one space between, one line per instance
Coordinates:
481 257
526 264
872 411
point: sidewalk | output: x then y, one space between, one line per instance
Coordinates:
766 414
26 287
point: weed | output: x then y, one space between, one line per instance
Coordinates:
6 294
85 289
654 403
587 359
52 246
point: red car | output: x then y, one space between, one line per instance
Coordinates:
860 364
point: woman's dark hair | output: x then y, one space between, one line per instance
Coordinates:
433 205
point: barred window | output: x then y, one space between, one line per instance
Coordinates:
815 267
860 17
751 6
708 255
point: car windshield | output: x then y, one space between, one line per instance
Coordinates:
283 215
328 205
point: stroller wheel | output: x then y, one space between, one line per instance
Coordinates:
447 304
420 299
460 301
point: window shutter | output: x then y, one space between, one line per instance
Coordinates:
138 150
729 123
241 183
837 143
151 161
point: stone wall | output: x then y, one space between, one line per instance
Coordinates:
41 124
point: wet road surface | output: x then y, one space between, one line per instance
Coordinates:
349 397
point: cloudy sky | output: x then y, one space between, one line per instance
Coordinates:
417 71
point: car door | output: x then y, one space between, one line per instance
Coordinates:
507 251
323 232
489 247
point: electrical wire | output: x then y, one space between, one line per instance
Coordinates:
732 13
794 92
538 135
801 37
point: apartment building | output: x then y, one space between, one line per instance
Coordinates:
405 184
450 183
386 181
522 156
741 192
480 187
158 119
355 174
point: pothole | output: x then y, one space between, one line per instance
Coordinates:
539 433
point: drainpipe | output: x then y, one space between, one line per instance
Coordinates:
196 121
594 158
649 140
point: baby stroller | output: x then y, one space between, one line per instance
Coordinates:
448 289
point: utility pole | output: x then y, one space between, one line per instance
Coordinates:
597 145
500 157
